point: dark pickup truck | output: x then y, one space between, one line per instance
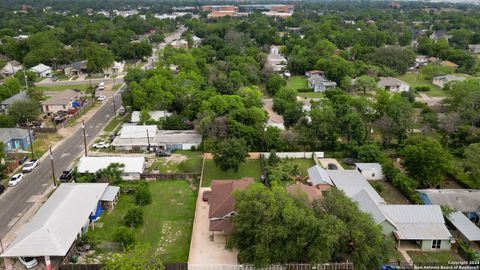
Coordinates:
66 176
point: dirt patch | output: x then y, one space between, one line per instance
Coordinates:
176 158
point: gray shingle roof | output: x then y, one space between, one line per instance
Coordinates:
20 96
7 134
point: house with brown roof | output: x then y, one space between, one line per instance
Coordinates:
222 204
301 190
449 64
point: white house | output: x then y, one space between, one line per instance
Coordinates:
474 48
64 217
42 70
441 81
393 84
275 60
371 171
196 41
115 69
133 166
11 68
154 115
319 83
135 138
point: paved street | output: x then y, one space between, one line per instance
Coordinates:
77 82
19 199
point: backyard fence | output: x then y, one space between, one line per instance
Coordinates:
45 129
168 176
283 155
326 266
81 266
74 116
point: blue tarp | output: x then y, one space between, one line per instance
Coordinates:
99 211
76 104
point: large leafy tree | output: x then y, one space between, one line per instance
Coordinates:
464 98
426 161
24 111
335 68
472 160
98 57
230 153
137 258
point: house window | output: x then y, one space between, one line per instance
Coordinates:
436 244
373 174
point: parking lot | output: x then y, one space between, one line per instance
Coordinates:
202 249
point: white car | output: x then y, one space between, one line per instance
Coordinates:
287 74
101 98
29 166
101 86
28 262
15 180
101 145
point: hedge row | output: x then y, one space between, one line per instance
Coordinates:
466 252
402 182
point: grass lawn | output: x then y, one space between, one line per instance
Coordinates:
439 257
297 82
42 141
302 163
415 80
82 87
311 94
110 127
116 86
193 163
250 168
390 194
167 220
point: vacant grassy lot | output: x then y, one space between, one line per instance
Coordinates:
415 79
438 257
82 87
192 164
250 168
297 82
42 141
167 220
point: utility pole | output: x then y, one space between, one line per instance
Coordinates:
53 168
1 244
31 141
25 78
114 107
148 141
84 137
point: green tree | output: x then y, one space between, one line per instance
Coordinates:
365 83
230 153
464 98
98 57
472 160
125 236
325 48
134 217
6 121
143 196
3 164
370 153
275 83
335 68
426 161
111 174
396 58
138 257
145 116
10 87
24 111
432 70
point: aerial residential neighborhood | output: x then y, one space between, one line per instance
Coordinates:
242 135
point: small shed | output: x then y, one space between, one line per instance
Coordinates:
110 197
466 228
371 171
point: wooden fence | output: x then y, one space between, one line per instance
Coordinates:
326 266
168 176
81 266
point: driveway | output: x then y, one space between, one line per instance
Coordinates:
325 161
428 100
273 117
202 250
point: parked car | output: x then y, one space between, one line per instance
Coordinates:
2 189
54 79
287 74
77 90
101 98
28 262
205 196
15 180
332 166
121 111
163 153
29 166
350 161
66 176
101 86
101 145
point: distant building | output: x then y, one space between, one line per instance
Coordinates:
15 139
440 34
196 41
62 101
441 81
116 68
275 60
393 84
474 48
154 115
310 73
319 83
302 190
75 69
9 101
179 44
132 166
11 68
42 70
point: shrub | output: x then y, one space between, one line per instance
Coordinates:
423 88
134 217
304 90
125 236
466 252
143 195
378 187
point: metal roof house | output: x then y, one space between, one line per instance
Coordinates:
154 115
64 217
371 171
42 70
465 227
441 81
464 200
133 166
422 225
393 84
9 101
319 83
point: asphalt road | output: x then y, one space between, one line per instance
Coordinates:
77 82
15 202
